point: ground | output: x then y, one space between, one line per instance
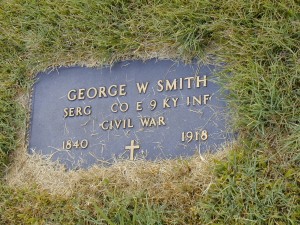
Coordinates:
255 182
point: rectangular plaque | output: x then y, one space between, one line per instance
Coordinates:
158 109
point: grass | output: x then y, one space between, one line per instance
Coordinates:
257 182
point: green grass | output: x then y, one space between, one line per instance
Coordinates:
258 183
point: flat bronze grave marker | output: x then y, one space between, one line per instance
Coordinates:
158 109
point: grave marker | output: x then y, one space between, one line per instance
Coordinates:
150 110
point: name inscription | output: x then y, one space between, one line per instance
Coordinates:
132 110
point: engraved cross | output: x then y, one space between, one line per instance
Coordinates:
132 147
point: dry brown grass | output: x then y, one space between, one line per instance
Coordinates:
162 179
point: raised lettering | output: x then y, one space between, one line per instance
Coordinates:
118 123
165 103
199 81
112 108
145 121
102 92
71 112
124 107
161 121
175 101
197 100
206 98
160 87
78 111
102 125
122 91
142 87
66 110
81 94
110 92
139 106
73 97
87 110
171 86
88 93
189 79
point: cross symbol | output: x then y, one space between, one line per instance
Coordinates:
132 147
